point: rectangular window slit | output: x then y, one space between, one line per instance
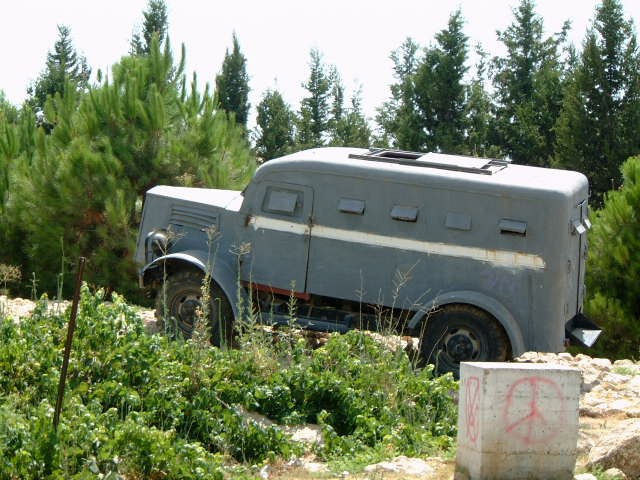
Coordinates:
350 205
458 221
404 213
513 227
282 201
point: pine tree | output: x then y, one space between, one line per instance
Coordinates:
398 117
64 68
8 113
440 89
19 139
155 23
614 266
274 134
80 189
598 125
350 128
8 144
313 121
528 85
232 84
337 110
481 139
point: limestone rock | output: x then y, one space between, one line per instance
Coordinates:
402 464
620 448
614 474
585 476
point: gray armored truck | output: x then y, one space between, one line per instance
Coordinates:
480 259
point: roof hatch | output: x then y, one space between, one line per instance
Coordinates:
456 163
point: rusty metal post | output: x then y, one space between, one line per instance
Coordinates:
67 348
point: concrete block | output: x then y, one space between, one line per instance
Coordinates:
517 421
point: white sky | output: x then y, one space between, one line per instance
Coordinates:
276 36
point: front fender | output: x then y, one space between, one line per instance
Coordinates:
482 301
224 273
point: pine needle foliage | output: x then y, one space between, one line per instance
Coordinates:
614 267
274 135
155 23
600 117
81 187
232 84
65 70
528 83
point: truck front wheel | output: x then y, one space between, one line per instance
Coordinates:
462 333
179 302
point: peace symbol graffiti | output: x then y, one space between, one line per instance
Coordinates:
525 419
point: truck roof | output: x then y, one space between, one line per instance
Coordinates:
431 168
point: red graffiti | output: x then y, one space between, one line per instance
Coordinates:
533 425
472 408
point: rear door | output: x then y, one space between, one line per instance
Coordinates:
578 249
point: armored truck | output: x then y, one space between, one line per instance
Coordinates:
480 259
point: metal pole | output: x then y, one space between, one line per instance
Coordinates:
67 348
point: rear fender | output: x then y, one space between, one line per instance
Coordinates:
476 299
223 273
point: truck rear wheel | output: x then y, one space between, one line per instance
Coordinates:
462 333
179 303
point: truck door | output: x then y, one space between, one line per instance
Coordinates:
577 254
277 230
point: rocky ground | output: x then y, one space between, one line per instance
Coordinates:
609 430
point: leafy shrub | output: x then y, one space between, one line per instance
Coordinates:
8 274
363 393
141 406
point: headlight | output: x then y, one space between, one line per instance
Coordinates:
156 244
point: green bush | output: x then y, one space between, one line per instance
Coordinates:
140 406
363 393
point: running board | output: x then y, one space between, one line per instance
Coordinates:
314 323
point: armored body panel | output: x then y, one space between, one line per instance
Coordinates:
406 231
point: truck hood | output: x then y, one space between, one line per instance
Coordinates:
205 196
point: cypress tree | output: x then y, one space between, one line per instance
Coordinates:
481 139
313 121
440 89
232 84
398 117
275 126
529 88
156 23
600 118
337 110
350 128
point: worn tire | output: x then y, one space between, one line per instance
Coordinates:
181 297
462 333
